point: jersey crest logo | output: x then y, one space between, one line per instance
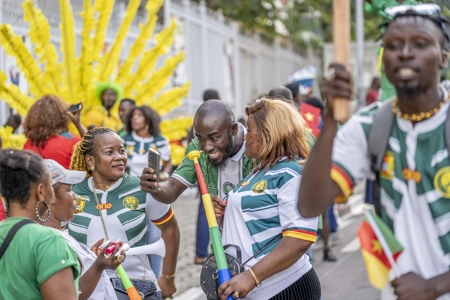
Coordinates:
387 167
81 202
259 187
227 187
129 149
442 181
131 202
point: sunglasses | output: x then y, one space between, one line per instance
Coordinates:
428 9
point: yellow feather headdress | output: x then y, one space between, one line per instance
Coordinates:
75 78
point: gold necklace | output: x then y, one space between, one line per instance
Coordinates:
106 188
416 117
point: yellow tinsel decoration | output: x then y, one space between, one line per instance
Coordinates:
152 8
15 47
11 94
39 34
176 129
109 61
10 140
75 78
148 62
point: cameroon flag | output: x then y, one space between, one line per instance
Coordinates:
379 249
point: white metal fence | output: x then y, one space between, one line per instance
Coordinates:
218 56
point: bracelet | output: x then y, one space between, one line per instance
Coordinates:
258 283
168 277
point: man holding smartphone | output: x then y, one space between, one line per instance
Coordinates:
223 159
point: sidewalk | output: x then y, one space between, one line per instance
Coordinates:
188 274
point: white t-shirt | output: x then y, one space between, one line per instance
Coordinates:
104 289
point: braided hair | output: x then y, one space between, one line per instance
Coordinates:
86 147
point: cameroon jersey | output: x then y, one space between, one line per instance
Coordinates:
261 210
124 207
414 183
137 147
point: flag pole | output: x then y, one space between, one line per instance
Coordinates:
383 242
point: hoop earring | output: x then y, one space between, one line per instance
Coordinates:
37 212
92 168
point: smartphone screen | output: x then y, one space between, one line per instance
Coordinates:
75 107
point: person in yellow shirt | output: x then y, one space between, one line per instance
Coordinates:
100 115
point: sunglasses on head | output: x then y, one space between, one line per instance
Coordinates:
428 10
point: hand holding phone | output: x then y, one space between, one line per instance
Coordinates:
154 159
75 107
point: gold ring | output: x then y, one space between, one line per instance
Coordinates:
236 295
120 258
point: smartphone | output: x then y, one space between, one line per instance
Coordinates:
75 107
154 159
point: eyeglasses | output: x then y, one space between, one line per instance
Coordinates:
428 9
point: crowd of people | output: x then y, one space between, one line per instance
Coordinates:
272 183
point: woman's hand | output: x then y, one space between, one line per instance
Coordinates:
111 262
241 284
167 287
75 117
96 247
219 206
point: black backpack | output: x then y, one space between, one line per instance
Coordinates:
377 143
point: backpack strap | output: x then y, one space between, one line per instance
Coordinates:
377 143
11 234
447 131
379 135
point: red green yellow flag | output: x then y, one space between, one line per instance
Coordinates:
379 249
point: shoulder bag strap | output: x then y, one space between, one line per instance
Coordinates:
11 234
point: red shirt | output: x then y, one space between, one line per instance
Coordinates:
59 148
2 210
371 97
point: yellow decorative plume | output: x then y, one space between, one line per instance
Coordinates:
110 60
11 94
75 78
178 154
10 140
39 34
152 8
70 91
148 62
170 99
104 9
160 78
176 129
86 58
15 47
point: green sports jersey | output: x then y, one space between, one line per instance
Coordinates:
186 171
124 207
414 182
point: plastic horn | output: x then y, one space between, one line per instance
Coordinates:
131 290
224 272
158 248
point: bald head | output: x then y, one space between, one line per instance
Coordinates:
214 109
281 92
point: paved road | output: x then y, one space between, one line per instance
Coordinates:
345 279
